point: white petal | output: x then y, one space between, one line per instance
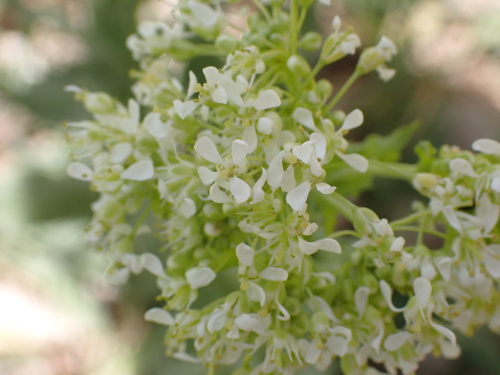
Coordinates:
245 254
205 147
72 88
120 152
276 171
80 171
160 316
488 146
310 229
422 288
192 82
324 188
298 196
387 293
187 208
141 171
240 190
239 151
265 125
304 117
361 299
495 184
211 75
217 195
352 120
203 13
233 333
250 137
487 212
130 126
460 165
155 126
216 321
267 99
199 277
492 265
398 244
118 276
286 314
319 144
396 340
152 264
274 274
207 176
445 332
378 340
288 181
303 152
257 191
246 322
133 262
184 109
327 244
256 293
443 265
452 218
183 356
355 161
219 95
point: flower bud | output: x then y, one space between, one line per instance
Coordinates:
298 65
311 41
227 43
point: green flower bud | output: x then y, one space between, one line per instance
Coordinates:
370 59
98 103
298 65
227 43
311 41
324 88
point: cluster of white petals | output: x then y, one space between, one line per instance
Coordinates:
246 167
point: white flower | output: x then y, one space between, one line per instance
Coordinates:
222 88
239 189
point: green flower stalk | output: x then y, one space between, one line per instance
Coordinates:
237 171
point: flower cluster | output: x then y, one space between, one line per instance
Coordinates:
234 173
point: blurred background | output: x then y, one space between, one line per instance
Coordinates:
57 314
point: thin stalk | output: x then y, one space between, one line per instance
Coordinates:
294 27
263 10
394 170
342 205
347 85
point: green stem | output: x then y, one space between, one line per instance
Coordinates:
346 232
294 27
347 85
407 220
343 205
421 231
263 10
393 170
